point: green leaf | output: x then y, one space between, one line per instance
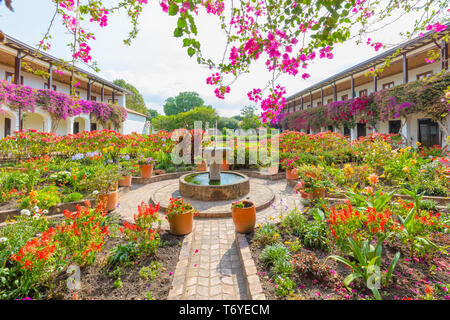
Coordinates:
178 32
191 52
173 9
391 268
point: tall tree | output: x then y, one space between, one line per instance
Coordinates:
183 102
249 119
186 119
135 101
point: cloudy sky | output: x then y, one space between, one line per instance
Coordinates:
157 64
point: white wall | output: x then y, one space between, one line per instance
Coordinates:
133 123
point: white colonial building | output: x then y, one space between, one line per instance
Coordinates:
410 65
18 64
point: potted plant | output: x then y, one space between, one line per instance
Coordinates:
201 163
126 169
311 188
291 171
146 164
180 215
105 183
244 216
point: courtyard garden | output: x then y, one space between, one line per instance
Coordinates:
367 219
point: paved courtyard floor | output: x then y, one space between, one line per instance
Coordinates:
209 265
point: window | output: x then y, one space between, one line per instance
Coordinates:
76 127
363 93
344 97
9 76
53 86
428 132
7 127
424 75
361 130
394 126
346 131
93 126
330 128
388 85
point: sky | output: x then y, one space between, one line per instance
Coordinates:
158 66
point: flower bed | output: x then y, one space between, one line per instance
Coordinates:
133 260
373 246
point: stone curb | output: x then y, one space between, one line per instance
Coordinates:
57 209
179 276
254 288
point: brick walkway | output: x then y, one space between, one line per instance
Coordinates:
209 265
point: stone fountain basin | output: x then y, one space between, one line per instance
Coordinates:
214 192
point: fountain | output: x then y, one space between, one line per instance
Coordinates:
214 185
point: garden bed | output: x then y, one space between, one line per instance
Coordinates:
97 285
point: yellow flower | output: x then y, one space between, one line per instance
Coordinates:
413 161
405 169
276 235
418 143
287 242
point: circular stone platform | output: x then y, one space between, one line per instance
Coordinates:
227 191
259 194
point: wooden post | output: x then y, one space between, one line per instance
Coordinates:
302 102
89 90
50 78
352 84
375 84
103 93
321 95
334 92
444 55
310 99
114 96
17 75
405 69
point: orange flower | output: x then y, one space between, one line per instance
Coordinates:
373 179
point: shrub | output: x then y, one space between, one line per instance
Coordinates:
282 267
144 233
274 252
44 199
429 205
266 234
295 221
73 197
316 235
284 286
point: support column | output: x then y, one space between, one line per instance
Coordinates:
405 69
354 133
404 131
310 100
302 102
70 125
334 92
352 87
50 78
17 76
375 84
88 90
103 93
113 96
321 95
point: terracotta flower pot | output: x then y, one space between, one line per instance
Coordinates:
224 166
201 166
316 193
111 199
291 174
181 224
146 171
125 181
244 218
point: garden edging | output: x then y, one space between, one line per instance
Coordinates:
254 288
